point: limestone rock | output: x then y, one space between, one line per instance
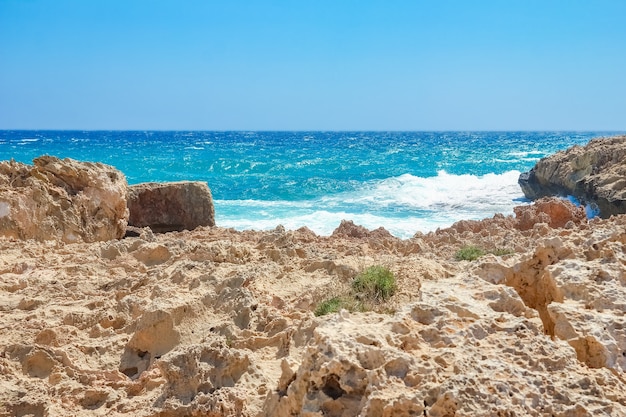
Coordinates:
63 200
172 206
446 355
377 239
595 173
347 228
217 322
555 212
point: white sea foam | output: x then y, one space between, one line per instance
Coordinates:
515 160
524 154
324 222
444 190
403 205
27 141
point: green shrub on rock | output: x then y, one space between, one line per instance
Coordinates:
375 282
469 253
369 288
332 305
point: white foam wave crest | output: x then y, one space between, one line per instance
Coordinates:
443 191
324 222
535 153
403 205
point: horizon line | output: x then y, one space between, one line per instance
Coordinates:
322 130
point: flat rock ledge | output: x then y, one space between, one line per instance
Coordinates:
172 206
64 200
595 174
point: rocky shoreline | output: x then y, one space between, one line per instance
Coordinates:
217 322
595 174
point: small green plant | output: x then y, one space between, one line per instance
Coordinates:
332 305
375 282
369 288
469 253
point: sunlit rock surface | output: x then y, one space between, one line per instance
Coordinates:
64 200
214 322
594 173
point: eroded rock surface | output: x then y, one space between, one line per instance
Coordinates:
63 200
172 206
214 322
555 212
594 173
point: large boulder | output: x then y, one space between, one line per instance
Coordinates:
555 212
594 173
63 200
172 206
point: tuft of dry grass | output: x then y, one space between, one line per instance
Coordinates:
370 288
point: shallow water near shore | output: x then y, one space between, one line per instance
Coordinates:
403 181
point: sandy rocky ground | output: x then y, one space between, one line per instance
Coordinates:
215 322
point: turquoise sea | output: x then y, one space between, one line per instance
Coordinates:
403 181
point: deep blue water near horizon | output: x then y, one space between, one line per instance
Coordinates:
403 181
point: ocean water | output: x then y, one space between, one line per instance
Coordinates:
404 181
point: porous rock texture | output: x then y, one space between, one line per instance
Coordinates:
171 206
63 200
555 212
594 173
215 322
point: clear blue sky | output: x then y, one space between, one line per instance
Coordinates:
313 65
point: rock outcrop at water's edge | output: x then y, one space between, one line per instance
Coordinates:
172 206
65 200
594 173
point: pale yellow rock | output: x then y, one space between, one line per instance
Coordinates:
63 200
215 322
